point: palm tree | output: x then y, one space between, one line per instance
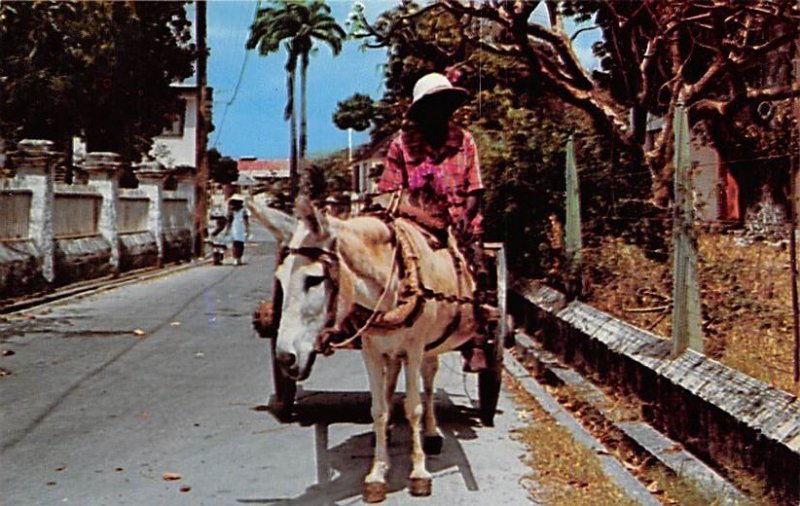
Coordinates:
297 24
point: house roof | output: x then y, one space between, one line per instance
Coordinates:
256 167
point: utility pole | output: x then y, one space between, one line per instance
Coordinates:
201 139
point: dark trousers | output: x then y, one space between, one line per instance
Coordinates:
238 249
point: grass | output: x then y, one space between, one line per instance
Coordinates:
563 471
745 293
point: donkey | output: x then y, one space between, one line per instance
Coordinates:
419 303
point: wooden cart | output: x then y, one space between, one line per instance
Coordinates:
489 380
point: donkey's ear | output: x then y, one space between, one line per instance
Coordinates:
316 222
280 224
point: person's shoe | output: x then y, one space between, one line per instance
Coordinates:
476 361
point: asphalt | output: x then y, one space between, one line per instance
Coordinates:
110 390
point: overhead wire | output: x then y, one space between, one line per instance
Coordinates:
235 93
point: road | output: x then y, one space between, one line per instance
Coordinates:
109 392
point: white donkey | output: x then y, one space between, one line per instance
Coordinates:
418 302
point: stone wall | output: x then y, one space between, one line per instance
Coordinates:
68 233
720 414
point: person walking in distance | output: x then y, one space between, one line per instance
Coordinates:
238 226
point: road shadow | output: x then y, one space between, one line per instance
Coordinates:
342 468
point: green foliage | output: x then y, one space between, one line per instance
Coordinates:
101 68
356 112
222 169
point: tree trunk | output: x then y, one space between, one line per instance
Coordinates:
305 175
293 175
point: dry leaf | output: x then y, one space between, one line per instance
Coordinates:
172 476
653 488
185 488
175 324
138 332
7 353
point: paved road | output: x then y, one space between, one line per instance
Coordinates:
93 414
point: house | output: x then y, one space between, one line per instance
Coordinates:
716 191
177 146
367 166
257 169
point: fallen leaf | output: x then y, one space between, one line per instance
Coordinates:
200 354
175 324
7 353
185 488
172 476
653 488
61 468
4 372
138 332
118 469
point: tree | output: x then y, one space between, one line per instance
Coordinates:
355 112
655 53
222 169
101 68
297 24
521 132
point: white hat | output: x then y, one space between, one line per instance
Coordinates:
438 86
236 196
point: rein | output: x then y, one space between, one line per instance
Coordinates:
412 292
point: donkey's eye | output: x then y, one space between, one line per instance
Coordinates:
312 281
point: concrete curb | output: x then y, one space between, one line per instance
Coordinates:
639 434
91 287
615 471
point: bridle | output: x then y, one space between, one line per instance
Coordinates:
326 342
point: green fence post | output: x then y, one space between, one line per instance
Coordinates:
686 331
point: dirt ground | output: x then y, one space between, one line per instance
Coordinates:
745 294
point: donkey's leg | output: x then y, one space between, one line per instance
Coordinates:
392 372
432 442
375 483
420 483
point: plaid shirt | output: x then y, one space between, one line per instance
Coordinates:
453 171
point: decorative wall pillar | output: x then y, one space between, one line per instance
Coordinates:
34 162
186 188
105 170
151 176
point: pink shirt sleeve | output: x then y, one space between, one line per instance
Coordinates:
393 165
473 168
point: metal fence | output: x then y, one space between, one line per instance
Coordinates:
76 215
132 215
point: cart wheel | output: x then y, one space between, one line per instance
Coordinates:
285 389
489 382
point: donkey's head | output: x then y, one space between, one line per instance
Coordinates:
307 276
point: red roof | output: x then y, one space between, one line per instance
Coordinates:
263 168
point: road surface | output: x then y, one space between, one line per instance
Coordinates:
109 392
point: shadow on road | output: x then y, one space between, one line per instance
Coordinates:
341 469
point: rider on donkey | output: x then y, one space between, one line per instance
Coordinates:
433 156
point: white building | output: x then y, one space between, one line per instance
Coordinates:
176 146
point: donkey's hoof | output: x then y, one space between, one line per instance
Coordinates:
374 492
420 487
432 445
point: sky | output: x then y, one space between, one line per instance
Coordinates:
253 124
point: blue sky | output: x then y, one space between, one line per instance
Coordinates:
254 123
